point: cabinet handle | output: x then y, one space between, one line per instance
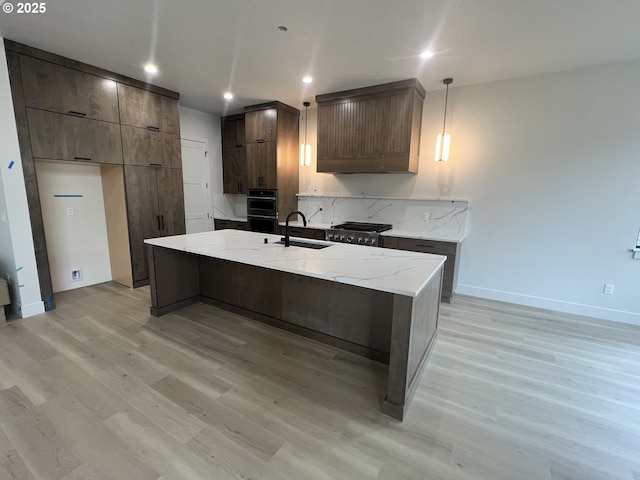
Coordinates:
239 146
239 187
162 221
82 159
155 164
260 140
79 114
152 128
158 220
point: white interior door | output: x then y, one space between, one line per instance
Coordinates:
195 172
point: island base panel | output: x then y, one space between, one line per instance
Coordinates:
379 325
382 357
415 322
354 314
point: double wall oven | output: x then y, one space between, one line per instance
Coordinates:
262 210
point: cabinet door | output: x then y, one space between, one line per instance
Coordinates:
142 210
262 165
233 134
234 170
65 137
171 201
60 89
260 125
140 108
170 115
145 147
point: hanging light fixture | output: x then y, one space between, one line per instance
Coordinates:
305 148
443 141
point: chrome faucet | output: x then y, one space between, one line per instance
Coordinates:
286 226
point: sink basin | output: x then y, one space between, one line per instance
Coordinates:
298 243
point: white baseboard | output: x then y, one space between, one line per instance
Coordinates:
29 309
550 304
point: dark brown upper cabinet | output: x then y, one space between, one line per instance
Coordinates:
65 137
145 147
261 125
234 170
145 109
371 130
262 165
52 87
234 154
233 132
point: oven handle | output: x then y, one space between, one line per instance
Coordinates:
269 217
261 198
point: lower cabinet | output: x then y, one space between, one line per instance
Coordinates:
304 232
451 250
224 224
155 208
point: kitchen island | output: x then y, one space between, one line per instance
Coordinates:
375 302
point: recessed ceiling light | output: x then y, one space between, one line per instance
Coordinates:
307 79
426 54
150 68
282 28
228 95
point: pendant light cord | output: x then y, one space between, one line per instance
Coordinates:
447 82
306 124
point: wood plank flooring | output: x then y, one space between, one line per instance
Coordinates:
98 389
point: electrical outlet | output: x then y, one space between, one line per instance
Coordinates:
69 211
608 288
76 274
425 216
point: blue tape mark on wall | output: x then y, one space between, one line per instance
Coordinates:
11 164
47 301
68 196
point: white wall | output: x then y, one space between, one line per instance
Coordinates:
17 257
196 125
201 126
550 165
77 241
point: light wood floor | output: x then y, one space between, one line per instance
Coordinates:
97 389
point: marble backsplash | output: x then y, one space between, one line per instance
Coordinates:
229 206
420 215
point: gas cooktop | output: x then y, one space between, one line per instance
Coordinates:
363 227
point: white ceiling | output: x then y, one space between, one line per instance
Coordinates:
205 47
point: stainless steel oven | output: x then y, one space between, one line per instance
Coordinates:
262 211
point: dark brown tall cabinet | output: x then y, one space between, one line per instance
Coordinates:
234 154
70 111
272 143
152 210
153 171
260 151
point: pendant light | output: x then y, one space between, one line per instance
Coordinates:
443 141
305 148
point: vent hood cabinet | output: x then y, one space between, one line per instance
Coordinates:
371 130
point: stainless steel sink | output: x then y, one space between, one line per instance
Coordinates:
298 243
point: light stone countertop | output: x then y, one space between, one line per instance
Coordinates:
387 270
